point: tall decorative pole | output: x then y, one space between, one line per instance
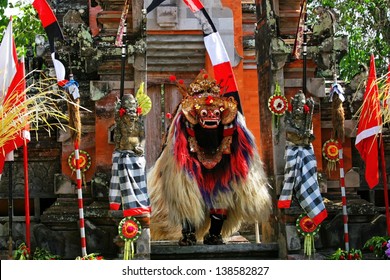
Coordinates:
80 200
343 197
75 122
304 54
71 88
10 208
26 195
120 41
337 98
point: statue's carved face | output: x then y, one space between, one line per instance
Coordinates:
130 105
209 111
299 103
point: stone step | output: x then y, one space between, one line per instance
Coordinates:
248 251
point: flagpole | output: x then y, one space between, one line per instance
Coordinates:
343 197
120 41
304 54
123 62
385 188
10 209
26 196
339 133
80 200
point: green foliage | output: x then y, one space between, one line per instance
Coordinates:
39 254
377 245
26 24
367 24
43 254
21 253
92 256
353 254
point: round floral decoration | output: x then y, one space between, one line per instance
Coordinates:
330 150
129 229
84 161
305 225
278 104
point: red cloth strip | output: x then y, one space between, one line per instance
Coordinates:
115 206
320 217
136 211
284 203
224 76
45 13
194 5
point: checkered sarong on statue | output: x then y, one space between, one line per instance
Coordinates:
128 184
300 177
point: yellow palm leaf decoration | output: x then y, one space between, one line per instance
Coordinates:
144 101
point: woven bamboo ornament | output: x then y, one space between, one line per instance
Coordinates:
308 229
330 151
129 230
278 105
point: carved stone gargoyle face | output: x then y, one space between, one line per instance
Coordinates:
129 103
209 111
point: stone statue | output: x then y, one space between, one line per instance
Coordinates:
128 180
300 177
299 120
129 131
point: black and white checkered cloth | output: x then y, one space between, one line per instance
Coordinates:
128 183
300 177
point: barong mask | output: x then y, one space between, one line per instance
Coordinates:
204 105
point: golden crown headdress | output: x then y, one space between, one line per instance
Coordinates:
201 85
205 94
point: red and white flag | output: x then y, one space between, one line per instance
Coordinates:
369 127
49 22
8 60
222 68
53 31
15 94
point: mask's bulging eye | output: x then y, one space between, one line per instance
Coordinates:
203 113
217 113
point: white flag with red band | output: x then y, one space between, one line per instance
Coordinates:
223 72
53 32
8 60
369 127
13 94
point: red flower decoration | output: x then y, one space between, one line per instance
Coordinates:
205 76
307 224
277 104
330 150
209 100
172 78
181 81
129 229
306 109
122 112
84 161
168 115
139 111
